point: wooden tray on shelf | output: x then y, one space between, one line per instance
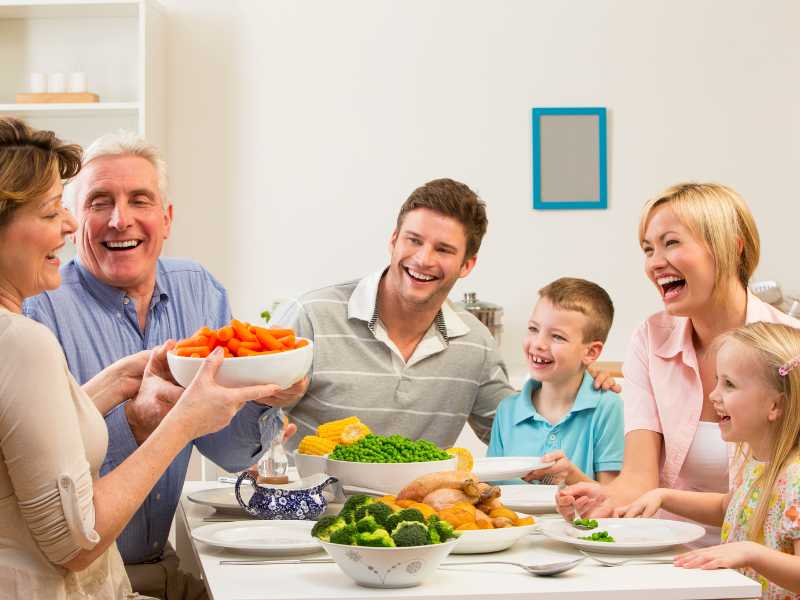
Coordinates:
63 98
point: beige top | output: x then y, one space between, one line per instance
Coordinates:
52 443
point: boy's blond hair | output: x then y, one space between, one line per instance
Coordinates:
774 345
720 219
580 295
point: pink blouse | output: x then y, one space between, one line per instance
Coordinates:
663 391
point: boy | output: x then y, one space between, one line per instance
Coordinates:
558 414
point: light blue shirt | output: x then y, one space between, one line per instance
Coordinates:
96 325
591 434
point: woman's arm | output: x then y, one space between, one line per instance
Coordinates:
704 507
639 468
117 382
203 408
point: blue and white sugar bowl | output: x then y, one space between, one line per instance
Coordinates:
299 500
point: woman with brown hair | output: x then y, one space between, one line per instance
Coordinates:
58 518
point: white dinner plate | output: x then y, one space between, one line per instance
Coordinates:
496 468
530 499
260 537
632 536
222 499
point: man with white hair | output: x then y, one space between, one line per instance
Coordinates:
118 297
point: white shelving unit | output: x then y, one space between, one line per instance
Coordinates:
119 44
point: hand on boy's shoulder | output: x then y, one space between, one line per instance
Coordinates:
603 380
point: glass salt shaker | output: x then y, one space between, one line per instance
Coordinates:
273 466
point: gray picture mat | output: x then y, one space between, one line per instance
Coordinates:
570 158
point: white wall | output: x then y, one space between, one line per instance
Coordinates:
296 130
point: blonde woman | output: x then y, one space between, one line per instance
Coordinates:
757 398
700 246
58 519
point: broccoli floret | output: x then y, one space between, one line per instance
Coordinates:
433 536
378 539
407 514
326 526
361 510
368 523
353 502
346 535
410 533
444 530
380 511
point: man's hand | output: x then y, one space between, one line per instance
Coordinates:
735 555
603 380
286 397
559 472
156 396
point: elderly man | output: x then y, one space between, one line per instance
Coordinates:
119 297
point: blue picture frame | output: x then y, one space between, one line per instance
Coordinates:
601 199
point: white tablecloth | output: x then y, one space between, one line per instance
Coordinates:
326 581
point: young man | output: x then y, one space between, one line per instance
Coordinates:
390 347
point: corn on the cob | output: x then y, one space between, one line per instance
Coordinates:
311 444
353 432
333 430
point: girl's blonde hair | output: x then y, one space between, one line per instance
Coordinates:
720 218
774 345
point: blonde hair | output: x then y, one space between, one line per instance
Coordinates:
122 143
720 218
774 345
30 162
580 295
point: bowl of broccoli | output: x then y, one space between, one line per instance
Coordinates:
386 463
377 546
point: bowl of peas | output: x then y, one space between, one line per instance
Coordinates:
386 463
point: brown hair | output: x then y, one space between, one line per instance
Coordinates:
580 295
451 199
719 218
30 161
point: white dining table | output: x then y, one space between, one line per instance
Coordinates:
486 582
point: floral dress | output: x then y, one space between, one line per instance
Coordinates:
781 526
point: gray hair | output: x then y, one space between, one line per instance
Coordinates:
122 143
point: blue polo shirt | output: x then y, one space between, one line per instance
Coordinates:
591 434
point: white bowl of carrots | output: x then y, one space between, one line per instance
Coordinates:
253 355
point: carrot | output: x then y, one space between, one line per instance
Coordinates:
242 332
266 339
242 351
276 333
196 340
287 341
255 346
233 344
300 343
204 330
227 353
192 350
225 333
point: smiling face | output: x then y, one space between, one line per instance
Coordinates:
427 258
746 403
554 348
122 223
680 265
29 243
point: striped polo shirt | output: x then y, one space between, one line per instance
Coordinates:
454 376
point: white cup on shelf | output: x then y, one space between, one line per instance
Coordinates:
37 83
56 83
77 82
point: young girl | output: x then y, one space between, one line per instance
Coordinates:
757 397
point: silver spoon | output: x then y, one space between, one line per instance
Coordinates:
544 570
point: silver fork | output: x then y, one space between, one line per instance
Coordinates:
618 563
